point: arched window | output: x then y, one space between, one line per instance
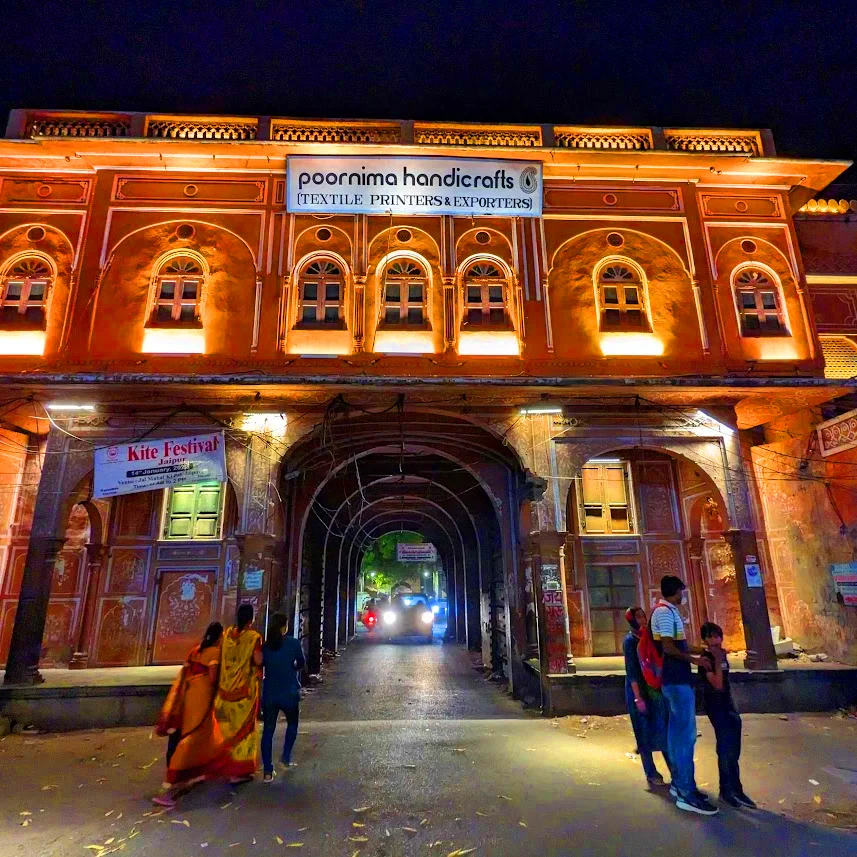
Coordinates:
404 295
321 289
178 289
621 298
759 304
485 297
25 293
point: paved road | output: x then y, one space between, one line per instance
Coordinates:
441 758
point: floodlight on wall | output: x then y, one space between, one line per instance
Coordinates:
22 343
164 340
265 423
57 406
631 345
536 410
714 423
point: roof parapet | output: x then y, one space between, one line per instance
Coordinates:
25 124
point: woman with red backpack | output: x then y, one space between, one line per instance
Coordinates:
646 706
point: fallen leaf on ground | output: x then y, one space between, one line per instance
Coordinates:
460 749
815 782
504 797
26 822
302 829
183 821
782 800
226 805
522 823
410 830
361 809
48 788
357 824
424 822
149 765
254 841
817 798
119 816
387 833
358 838
108 813
110 841
410 767
133 833
279 840
482 814
233 844
94 847
203 845
25 813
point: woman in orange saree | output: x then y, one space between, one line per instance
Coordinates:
237 702
196 750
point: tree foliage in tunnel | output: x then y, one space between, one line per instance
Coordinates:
382 570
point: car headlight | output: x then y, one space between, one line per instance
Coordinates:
389 617
435 609
427 617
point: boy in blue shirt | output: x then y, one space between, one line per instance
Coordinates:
724 717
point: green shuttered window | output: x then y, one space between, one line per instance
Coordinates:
194 511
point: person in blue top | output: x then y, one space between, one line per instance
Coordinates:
668 634
646 707
283 660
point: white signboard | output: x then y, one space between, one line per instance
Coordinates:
845 578
753 571
423 552
150 464
355 184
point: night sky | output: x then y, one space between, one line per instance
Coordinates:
788 66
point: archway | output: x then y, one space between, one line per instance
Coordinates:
449 479
636 513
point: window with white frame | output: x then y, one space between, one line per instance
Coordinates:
25 293
404 295
621 298
485 297
759 304
178 290
605 498
321 286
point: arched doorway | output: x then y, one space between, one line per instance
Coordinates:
634 515
445 477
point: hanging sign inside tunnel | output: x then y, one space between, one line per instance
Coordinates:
162 463
422 552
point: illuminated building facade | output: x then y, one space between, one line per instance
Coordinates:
568 405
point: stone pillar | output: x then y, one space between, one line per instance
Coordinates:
754 605
358 321
449 313
255 552
26 646
696 551
330 631
95 556
66 462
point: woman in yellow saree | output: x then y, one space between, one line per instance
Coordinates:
237 702
196 750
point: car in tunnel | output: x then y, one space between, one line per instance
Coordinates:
407 616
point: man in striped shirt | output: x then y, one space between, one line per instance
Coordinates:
678 689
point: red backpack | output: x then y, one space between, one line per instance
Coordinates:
651 660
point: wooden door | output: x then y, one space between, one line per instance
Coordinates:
185 607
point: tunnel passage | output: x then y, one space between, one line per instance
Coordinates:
358 478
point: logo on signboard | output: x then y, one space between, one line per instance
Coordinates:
529 180
113 453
